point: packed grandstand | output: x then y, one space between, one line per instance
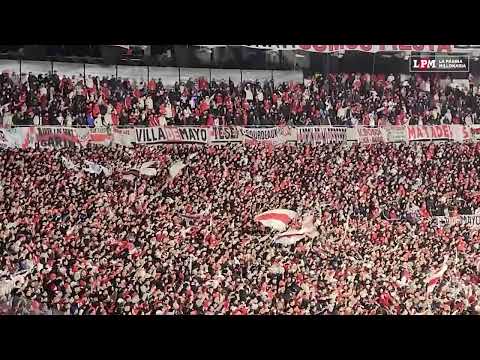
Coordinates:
341 194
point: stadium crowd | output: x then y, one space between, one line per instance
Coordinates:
336 99
131 244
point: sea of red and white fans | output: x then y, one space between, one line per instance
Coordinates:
336 99
76 242
127 243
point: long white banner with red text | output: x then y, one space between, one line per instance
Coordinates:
52 136
364 48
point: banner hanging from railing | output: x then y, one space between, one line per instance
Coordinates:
275 135
159 135
371 135
475 132
363 48
57 137
13 138
396 134
472 221
225 134
321 135
434 132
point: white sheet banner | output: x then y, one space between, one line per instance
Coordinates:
158 135
59 137
475 132
275 135
472 221
123 137
371 135
459 133
321 135
396 134
13 138
225 134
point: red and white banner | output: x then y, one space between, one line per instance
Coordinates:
363 48
99 136
292 236
371 135
277 219
475 132
435 132
56 136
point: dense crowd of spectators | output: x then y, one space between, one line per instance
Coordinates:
336 99
123 244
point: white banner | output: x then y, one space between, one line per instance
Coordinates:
321 135
275 135
396 134
122 137
475 132
158 135
434 132
13 138
371 135
225 134
472 221
57 137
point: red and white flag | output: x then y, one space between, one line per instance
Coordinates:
289 237
277 219
434 279
292 236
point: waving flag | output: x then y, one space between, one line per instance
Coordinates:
148 164
93 168
68 163
289 237
292 236
277 219
176 168
434 279
106 171
148 171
